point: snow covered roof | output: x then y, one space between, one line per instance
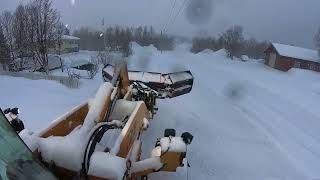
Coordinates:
70 37
296 52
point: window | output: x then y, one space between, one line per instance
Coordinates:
297 64
16 160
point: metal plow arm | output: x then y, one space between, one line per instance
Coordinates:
167 85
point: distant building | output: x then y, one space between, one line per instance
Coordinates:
284 57
70 44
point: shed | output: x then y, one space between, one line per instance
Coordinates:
284 57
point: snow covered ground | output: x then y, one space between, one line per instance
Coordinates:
249 121
42 101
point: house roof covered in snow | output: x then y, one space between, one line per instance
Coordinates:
296 52
70 37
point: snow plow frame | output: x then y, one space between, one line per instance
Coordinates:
167 85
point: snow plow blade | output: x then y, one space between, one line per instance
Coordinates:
167 85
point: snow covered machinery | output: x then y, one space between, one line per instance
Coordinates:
101 138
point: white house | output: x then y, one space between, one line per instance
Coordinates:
69 44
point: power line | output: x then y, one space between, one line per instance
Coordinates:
170 15
175 17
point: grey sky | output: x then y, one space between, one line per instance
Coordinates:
285 21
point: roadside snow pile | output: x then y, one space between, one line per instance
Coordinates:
41 101
78 58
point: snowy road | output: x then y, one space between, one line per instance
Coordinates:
256 135
228 144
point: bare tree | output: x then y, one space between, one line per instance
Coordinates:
233 41
4 52
93 69
254 49
317 41
60 31
6 21
46 21
19 32
31 13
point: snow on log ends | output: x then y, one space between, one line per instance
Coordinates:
97 105
107 166
151 163
176 144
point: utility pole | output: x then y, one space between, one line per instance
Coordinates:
161 39
104 35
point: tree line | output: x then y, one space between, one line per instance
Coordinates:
233 41
118 38
29 31
317 41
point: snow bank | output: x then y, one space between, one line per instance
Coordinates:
70 37
145 59
107 166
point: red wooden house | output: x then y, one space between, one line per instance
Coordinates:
285 57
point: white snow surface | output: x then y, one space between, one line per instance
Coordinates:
67 151
249 121
107 166
30 139
297 52
42 101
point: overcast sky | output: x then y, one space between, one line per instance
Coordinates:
285 21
